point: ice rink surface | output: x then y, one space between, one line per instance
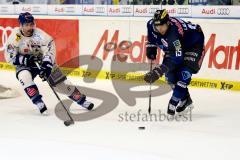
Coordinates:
213 132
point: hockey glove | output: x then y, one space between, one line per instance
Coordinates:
155 74
27 60
45 71
151 51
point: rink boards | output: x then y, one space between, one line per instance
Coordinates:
114 46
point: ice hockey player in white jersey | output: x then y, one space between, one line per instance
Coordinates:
27 45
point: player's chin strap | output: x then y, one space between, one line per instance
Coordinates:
67 122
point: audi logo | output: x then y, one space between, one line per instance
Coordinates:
152 10
183 11
223 11
4 32
126 10
4 9
36 9
100 10
70 9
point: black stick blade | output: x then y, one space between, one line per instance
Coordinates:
68 122
149 110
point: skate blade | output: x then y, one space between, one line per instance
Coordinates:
186 111
45 113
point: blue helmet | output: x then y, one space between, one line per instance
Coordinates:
25 18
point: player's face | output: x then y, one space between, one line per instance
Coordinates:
162 29
27 28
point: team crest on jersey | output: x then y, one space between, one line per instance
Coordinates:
164 42
177 44
186 75
18 37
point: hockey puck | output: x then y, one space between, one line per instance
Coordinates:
68 122
141 128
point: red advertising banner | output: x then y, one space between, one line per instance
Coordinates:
64 32
218 55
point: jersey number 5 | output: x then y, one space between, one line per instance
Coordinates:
179 53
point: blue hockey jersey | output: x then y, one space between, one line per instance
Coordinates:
181 36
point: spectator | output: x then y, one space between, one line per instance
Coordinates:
197 2
219 2
115 2
123 2
157 2
147 2
170 2
236 2
180 2
23 2
68 1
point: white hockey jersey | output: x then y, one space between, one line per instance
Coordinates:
39 44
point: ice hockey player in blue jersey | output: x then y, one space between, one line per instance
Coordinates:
183 45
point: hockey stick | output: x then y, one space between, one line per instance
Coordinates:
67 122
150 92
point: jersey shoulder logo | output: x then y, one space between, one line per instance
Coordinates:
10 50
18 37
164 42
